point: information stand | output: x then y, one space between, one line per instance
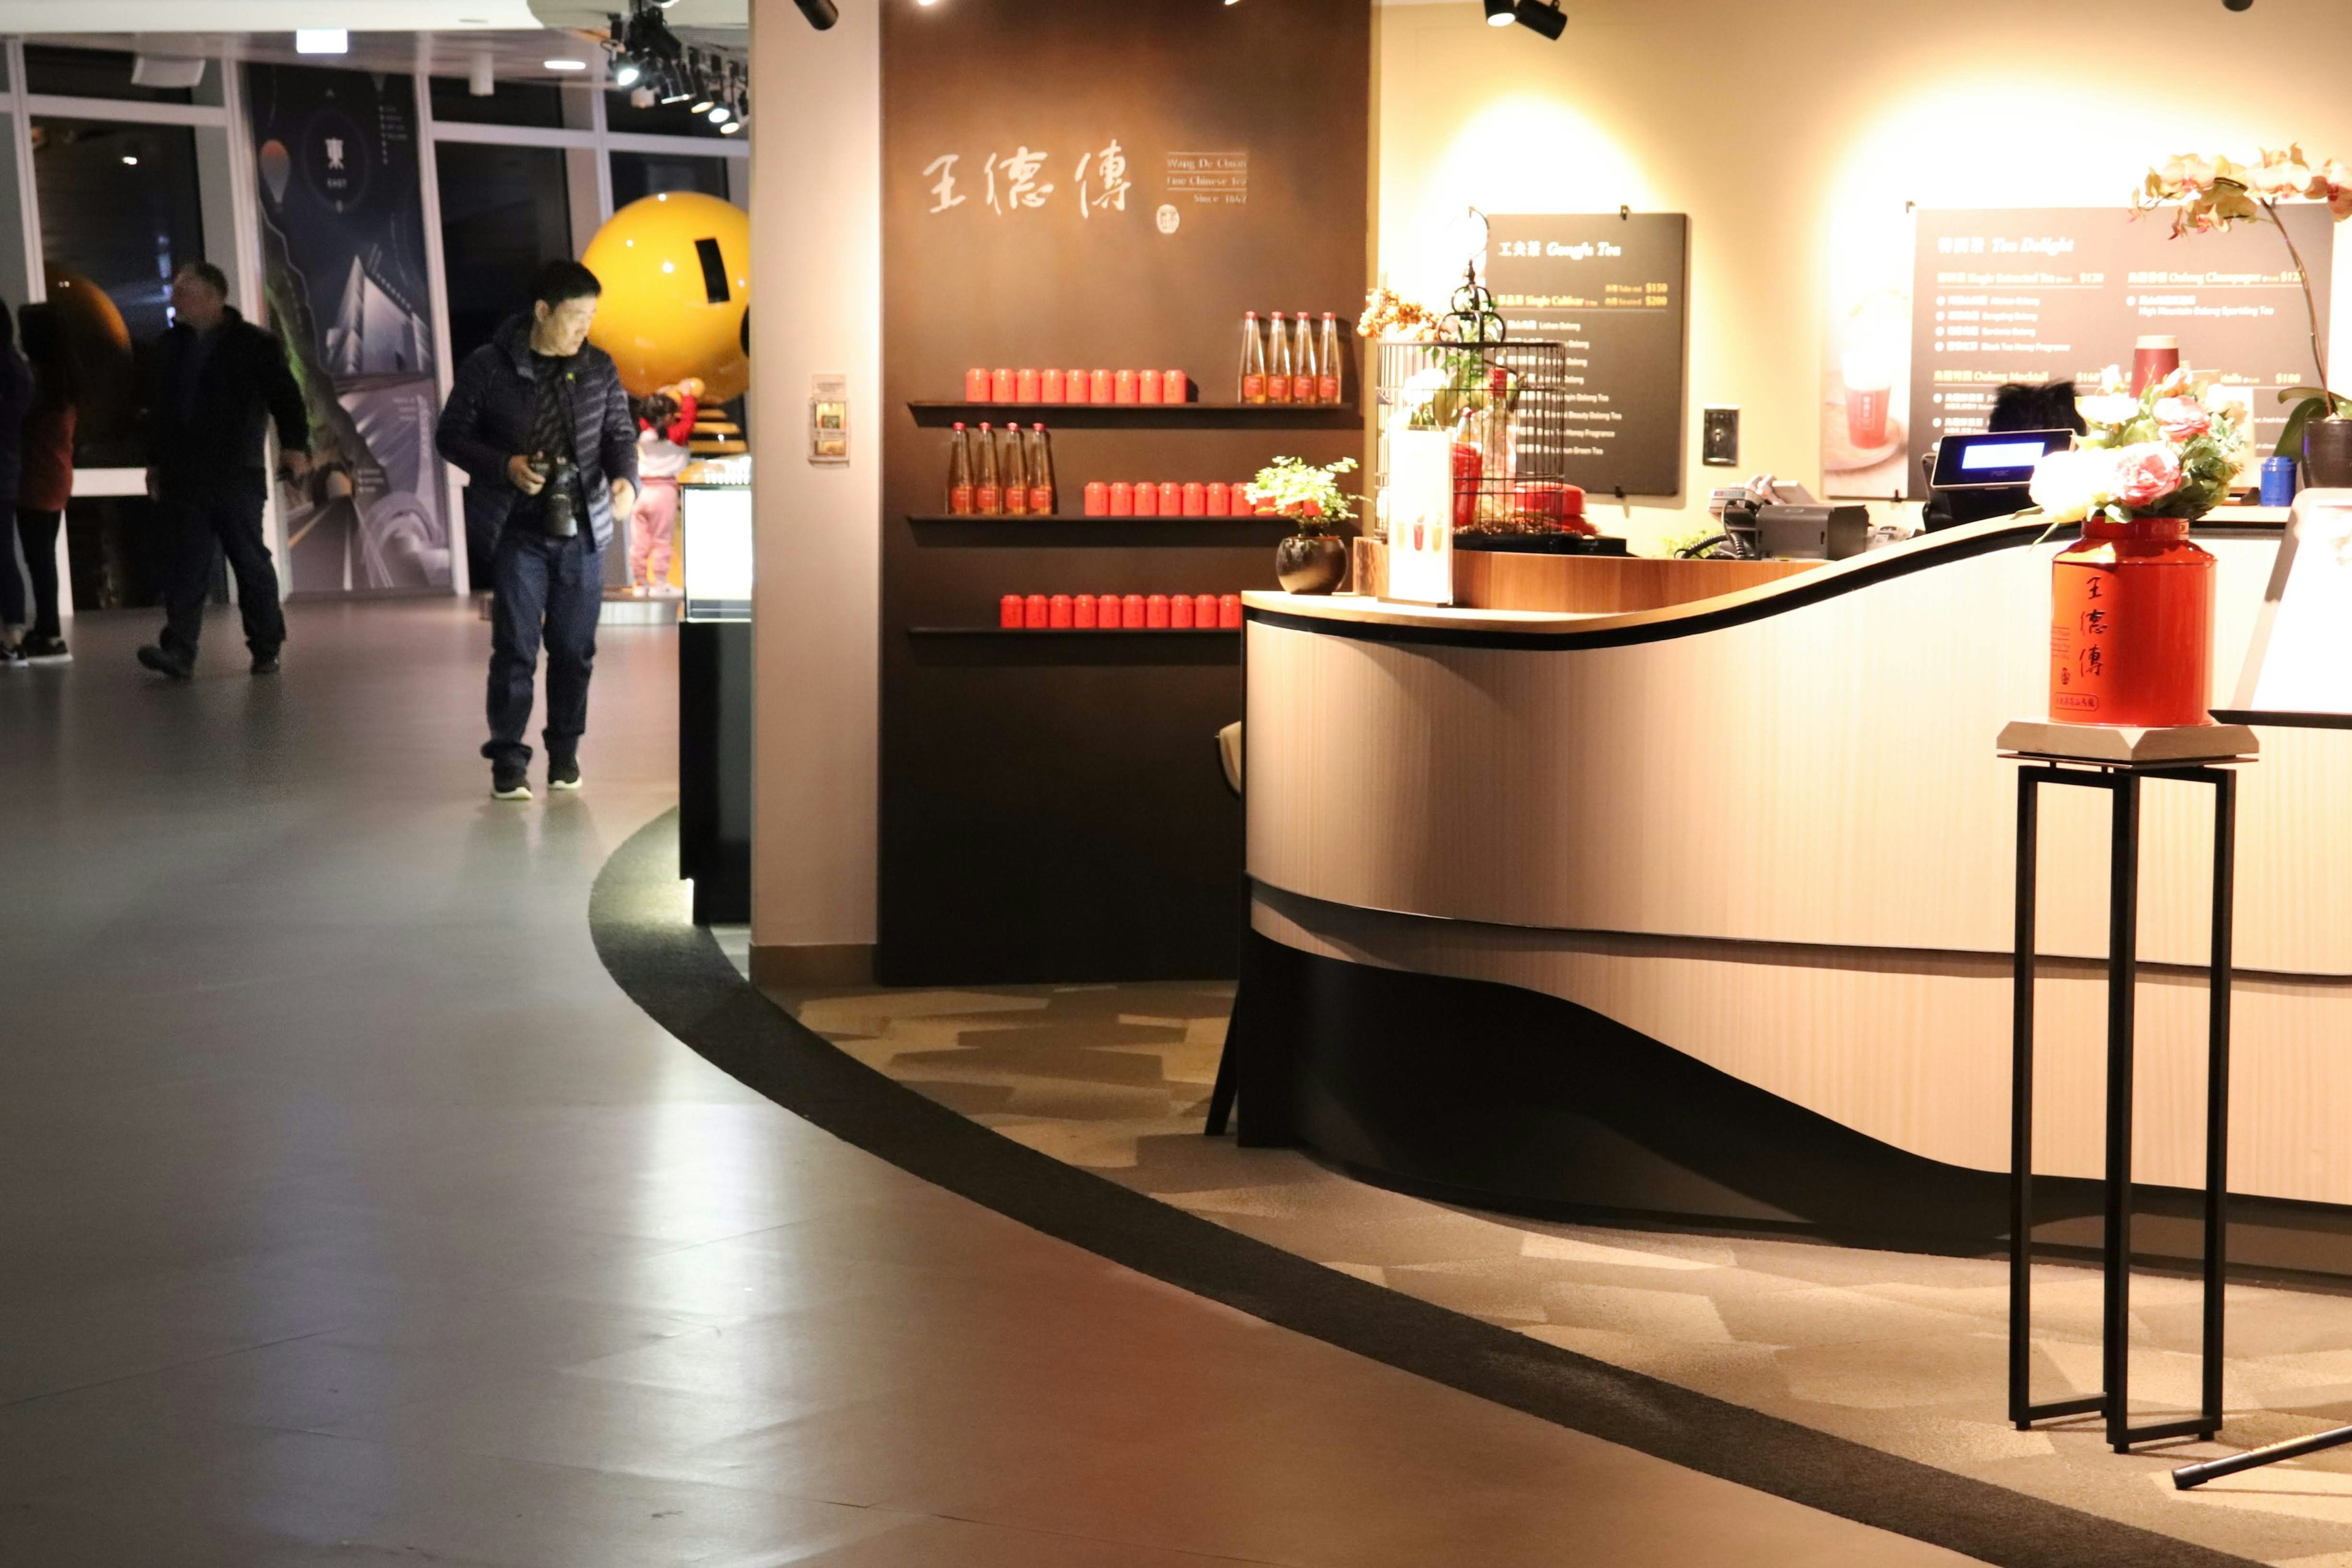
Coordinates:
2120 760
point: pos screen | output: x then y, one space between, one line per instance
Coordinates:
2004 457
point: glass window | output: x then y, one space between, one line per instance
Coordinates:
538 105
504 210
120 214
655 119
636 175
94 73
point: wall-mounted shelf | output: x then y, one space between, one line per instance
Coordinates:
1064 532
1000 647
1145 416
1073 632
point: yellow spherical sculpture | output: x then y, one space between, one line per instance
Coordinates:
677 272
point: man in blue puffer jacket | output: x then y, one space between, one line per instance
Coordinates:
540 423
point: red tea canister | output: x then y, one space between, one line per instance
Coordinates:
1172 498
1074 385
1053 387
1180 613
1229 612
1155 613
1174 387
1025 387
1098 386
1082 612
1009 612
1219 499
1130 613
1196 500
1123 388
976 386
1122 498
1002 385
1058 611
1098 498
1146 500
1205 612
1146 386
1035 612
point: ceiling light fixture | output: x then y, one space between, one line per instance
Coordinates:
1500 13
1546 18
821 13
322 41
565 64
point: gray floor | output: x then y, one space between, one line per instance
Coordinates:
347 1213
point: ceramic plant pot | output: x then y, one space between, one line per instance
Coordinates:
1310 562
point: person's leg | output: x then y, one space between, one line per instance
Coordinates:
518 601
36 532
575 597
661 527
237 519
12 616
185 530
641 536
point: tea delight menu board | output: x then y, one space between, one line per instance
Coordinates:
2044 294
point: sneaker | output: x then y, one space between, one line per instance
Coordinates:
510 786
12 656
163 662
44 650
564 775
265 664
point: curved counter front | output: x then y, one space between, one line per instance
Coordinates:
1703 913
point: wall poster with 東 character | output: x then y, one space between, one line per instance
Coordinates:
342 233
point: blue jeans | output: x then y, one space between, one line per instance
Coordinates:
545 587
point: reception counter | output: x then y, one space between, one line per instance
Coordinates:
1703 913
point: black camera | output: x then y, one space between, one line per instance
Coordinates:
559 502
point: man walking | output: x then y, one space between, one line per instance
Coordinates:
539 421
214 383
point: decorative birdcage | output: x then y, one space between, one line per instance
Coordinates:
1504 400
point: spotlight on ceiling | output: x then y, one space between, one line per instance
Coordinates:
565 64
821 13
323 41
721 114
626 72
1547 19
1498 13
2237 5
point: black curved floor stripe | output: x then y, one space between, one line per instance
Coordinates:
676 973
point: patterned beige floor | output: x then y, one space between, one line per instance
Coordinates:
1900 1351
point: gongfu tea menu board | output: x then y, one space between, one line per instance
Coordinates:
1612 288
2059 293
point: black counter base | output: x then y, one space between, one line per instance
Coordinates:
1489 1096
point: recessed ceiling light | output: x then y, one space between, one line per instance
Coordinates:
323 41
131 159
565 64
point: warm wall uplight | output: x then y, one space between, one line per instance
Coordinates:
323 41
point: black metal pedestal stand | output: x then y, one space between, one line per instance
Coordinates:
2122 781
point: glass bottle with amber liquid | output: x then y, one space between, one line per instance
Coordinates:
1279 369
1302 363
959 499
1012 475
987 494
1041 473
1330 362
1253 361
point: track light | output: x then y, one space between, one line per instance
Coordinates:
1498 13
1546 18
626 72
821 13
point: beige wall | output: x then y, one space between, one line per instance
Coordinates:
1794 131
816 261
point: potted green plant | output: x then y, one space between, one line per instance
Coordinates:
2207 195
1314 560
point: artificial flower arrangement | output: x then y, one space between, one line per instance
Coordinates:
1308 495
2208 194
2172 451
1390 315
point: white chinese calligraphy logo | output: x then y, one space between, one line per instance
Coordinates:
1110 168
334 152
944 166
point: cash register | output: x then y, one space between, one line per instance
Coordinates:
1987 474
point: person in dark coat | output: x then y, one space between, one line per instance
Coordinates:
214 383
16 401
540 423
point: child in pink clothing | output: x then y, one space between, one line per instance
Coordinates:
664 425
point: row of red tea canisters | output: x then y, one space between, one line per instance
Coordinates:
1119 612
1169 499
1076 387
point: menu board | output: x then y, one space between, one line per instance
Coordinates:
2043 294
1612 288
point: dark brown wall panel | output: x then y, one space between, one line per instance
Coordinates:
1051 806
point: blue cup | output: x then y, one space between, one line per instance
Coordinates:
2278 481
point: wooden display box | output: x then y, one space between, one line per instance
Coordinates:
1579 584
